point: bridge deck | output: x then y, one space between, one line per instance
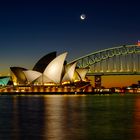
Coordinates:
113 73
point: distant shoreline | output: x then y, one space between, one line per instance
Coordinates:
65 93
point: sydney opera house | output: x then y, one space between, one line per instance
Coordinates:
50 74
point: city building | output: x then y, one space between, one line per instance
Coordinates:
4 80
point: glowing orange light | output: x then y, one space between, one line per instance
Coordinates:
138 42
66 82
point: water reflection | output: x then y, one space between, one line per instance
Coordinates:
63 118
29 117
88 118
54 116
21 117
70 117
136 128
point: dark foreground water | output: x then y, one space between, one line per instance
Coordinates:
60 117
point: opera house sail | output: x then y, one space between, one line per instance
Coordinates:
18 76
54 70
44 61
32 75
49 73
69 73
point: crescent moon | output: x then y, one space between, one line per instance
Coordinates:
83 16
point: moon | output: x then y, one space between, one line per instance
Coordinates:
82 16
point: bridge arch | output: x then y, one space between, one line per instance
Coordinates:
123 59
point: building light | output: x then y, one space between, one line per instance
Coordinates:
138 43
15 83
129 87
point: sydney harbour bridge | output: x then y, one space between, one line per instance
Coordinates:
121 60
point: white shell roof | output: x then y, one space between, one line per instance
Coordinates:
43 79
82 72
69 73
54 69
32 75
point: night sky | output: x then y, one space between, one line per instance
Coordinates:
31 29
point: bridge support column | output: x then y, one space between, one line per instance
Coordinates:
98 81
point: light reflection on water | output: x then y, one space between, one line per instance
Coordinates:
70 117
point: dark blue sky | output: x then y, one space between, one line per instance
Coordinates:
31 29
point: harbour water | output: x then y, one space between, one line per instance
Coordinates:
70 117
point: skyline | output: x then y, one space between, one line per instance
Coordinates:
31 29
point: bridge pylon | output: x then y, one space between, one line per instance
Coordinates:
98 82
